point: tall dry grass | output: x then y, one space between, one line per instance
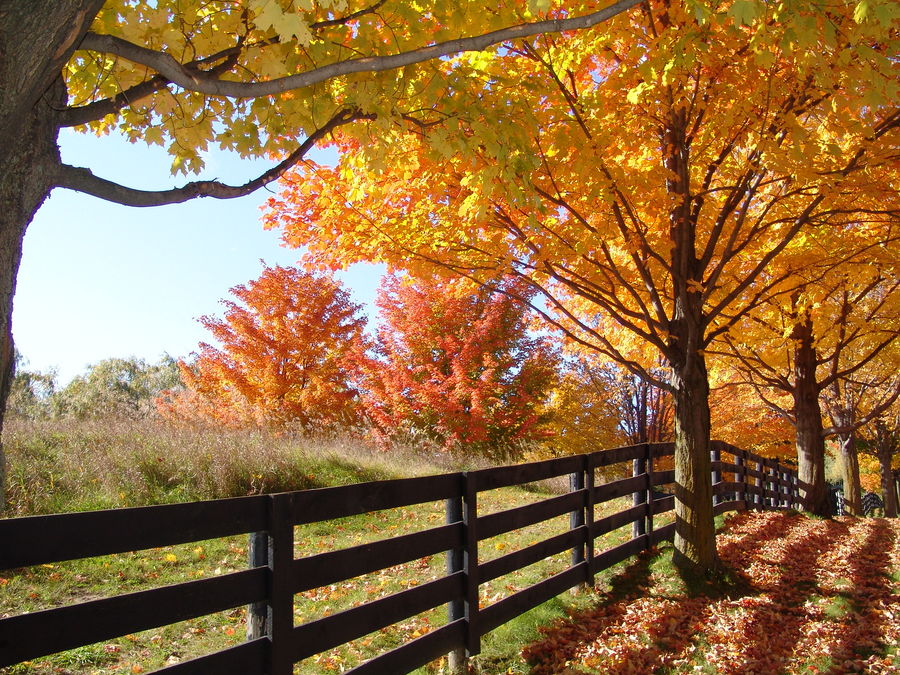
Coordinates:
71 465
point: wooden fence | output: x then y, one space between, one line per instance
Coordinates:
741 480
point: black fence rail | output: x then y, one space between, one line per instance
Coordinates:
741 480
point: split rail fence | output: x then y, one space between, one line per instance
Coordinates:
741 480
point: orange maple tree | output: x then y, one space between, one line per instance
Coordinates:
456 363
284 357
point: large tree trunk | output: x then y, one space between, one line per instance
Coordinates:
695 538
695 532
850 463
810 439
36 39
887 442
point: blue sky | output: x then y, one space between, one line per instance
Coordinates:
100 280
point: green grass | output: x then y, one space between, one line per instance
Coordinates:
92 465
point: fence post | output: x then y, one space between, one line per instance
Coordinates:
281 600
258 612
715 455
779 488
576 518
589 511
760 485
639 526
648 454
740 477
470 563
456 659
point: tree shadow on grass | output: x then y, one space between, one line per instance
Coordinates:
677 608
871 585
752 620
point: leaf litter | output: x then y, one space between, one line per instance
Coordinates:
808 596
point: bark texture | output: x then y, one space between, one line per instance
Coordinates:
695 536
810 438
850 463
887 443
36 39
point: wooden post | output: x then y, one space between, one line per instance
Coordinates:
258 612
470 565
760 486
648 455
280 620
589 512
639 526
576 520
715 455
456 660
740 477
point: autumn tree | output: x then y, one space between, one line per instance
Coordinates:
264 78
824 344
599 404
741 418
282 357
651 173
885 435
456 363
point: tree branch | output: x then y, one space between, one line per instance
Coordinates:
83 180
188 79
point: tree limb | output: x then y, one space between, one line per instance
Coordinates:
83 180
168 67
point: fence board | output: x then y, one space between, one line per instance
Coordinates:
248 658
662 505
493 524
517 474
662 477
529 555
665 533
727 487
621 552
617 520
310 506
662 450
67 536
416 653
350 624
619 488
333 566
723 507
28 636
514 605
616 455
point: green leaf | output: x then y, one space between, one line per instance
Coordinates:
744 12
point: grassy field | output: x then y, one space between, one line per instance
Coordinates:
79 466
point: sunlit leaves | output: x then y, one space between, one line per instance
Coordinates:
456 365
282 359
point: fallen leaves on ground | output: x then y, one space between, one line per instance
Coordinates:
813 596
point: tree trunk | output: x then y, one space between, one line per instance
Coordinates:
695 532
36 40
695 537
888 485
810 439
850 462
887 443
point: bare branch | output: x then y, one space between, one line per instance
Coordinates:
83 180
